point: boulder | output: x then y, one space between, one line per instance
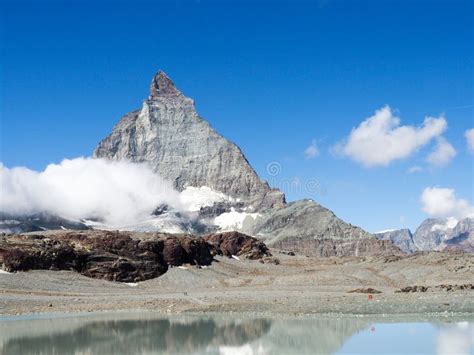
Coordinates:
367 290
237 244
186 249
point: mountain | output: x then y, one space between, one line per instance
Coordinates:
219 189
168 134
36 222
402 238
434 234
183 148
445 233
306 227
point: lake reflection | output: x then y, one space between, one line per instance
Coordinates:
144 333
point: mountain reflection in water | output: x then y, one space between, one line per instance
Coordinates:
142 333
127 336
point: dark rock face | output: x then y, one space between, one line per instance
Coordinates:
409 289
238 244
105 255
218 208
162 86
464 242
448 288
367 290
120 256
186 250
36 222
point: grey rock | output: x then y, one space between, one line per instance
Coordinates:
308 228
304 219
426 238
442 233
36 222
402 238
218 208
181 147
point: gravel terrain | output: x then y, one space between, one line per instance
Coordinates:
297 285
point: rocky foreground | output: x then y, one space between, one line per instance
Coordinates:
72 272
121 256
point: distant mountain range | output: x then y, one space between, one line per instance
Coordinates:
434 234
225 192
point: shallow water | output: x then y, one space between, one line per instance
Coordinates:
148 333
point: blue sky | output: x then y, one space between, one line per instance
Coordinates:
270 76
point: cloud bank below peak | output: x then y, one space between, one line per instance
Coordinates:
117 192
380 140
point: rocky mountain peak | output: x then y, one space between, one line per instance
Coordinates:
163 86
183 148
402 238
441 233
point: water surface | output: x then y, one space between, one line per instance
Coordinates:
148 333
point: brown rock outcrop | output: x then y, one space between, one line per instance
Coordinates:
449 288
111 256
185 249
238 244
367 290
114 256
120 256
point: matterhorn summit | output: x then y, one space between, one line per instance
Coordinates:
169 135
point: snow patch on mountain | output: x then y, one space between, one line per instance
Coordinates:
386 231
194 198
234 220
451 223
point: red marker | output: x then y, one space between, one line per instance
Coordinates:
371 297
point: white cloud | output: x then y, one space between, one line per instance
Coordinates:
469 134
312 151
415 169
442 154
455 339
117 192
380 140
443 203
